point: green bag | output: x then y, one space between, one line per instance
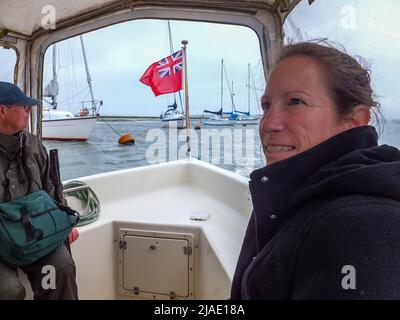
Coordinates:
32 227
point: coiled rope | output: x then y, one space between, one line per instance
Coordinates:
83 192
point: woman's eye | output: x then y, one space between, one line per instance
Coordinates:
296 101
265 105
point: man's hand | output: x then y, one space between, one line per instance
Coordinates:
73 235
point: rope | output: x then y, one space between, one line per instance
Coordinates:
69 98
105 121
87 195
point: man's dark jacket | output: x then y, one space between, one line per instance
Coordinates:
24 166
325 224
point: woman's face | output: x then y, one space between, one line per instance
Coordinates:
298 110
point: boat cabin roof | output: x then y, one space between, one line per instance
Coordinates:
26 17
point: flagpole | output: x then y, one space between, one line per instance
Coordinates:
188 152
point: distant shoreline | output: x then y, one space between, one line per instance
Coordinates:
138 118
194 117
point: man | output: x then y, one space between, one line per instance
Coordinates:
24 168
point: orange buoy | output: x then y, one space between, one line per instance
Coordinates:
126 139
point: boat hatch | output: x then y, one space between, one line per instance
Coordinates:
156 265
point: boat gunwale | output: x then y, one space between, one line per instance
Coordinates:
69 119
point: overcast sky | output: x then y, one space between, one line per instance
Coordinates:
367 28
119 55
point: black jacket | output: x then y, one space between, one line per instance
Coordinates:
325 224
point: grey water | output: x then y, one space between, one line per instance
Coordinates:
235 148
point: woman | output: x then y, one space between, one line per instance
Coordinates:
326 218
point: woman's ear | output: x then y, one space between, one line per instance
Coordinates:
359 116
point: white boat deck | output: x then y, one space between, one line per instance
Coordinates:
161 198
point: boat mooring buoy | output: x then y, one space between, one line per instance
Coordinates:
126 139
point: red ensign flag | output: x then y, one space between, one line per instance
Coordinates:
165 76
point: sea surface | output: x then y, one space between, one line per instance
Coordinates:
235 148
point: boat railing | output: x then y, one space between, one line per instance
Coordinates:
90 105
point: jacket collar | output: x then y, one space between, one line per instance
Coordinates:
10 144
273 187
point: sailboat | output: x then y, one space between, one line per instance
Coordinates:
218 119
173 116
245 118
64 125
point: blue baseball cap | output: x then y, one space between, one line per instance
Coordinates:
10 94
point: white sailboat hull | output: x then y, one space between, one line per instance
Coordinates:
179 123
219 122
245 122
173 117
70 129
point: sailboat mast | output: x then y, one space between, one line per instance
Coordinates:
233 106
248 88
230 91
222 83
89 79
187 115
54 97
171 45
54 61
171 49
